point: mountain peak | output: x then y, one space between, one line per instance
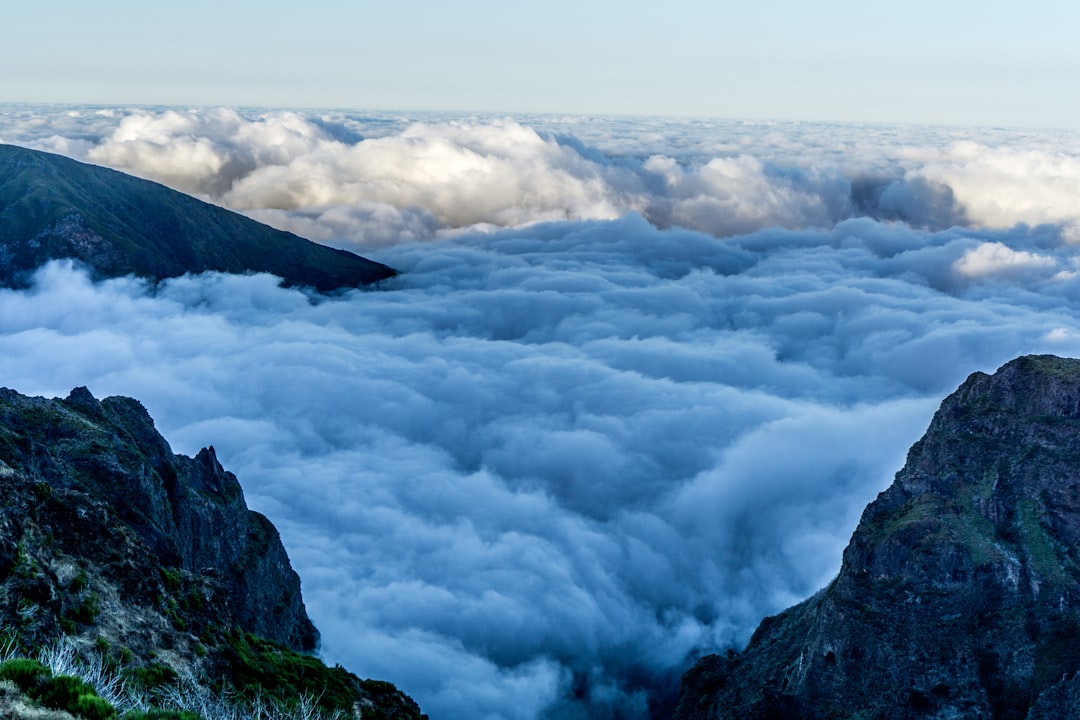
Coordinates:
54 207
115 546
959 593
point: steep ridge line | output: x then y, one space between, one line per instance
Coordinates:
53 207
152 561
959 593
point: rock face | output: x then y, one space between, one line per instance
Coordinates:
109 538
959 593
53 207
100 459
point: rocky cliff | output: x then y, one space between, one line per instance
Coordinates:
53 207
959 593
150 558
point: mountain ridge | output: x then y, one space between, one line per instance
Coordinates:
153 561
959 593
53 207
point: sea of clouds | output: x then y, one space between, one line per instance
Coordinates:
630 393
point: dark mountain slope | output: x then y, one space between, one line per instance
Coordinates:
54 207
959 594
152 559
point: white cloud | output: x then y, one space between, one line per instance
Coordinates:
1036 182
205 153
740 194
718 177
995 259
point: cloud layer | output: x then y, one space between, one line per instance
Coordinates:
573 445
361 182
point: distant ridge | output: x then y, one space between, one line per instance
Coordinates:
54 207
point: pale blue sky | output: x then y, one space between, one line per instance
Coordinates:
991 63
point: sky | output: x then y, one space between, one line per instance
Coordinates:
630 393
990 63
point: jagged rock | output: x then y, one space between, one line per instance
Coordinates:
959 593
152 558
53 207
91 460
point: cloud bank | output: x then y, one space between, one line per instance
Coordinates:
361 182
575 444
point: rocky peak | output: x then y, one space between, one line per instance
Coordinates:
959 593
189 512
152 558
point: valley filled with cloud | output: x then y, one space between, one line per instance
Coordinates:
629 394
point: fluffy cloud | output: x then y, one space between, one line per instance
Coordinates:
727 196
548 465
354 180
995 259
1001 186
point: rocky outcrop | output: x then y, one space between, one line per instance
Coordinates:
104 461
52 207
959 593
151 558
